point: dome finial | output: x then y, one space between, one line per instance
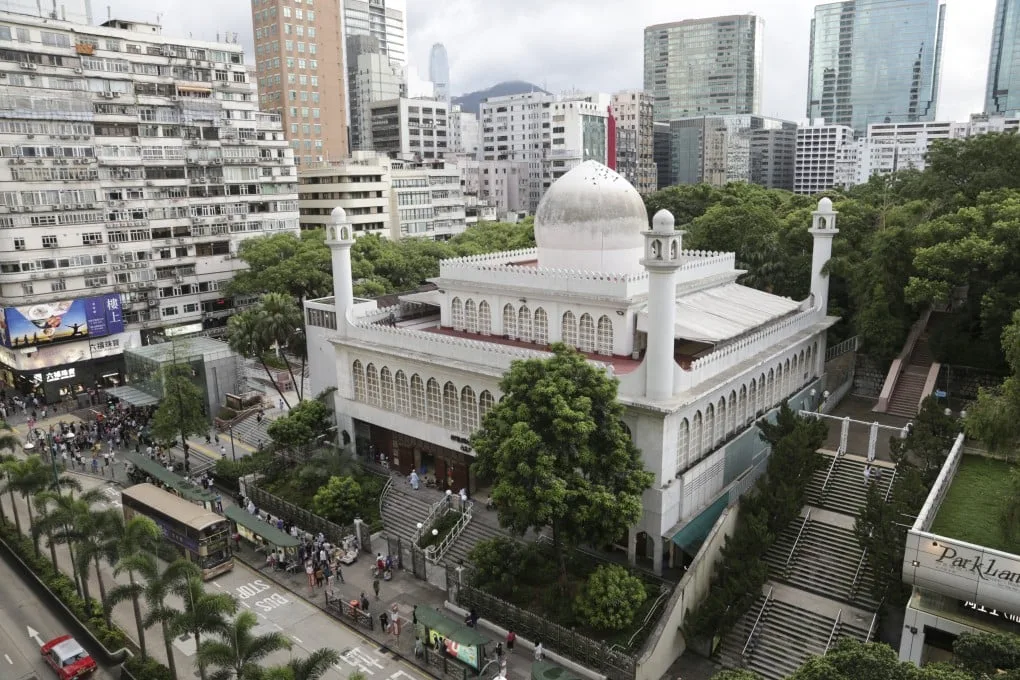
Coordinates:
338 215
663 221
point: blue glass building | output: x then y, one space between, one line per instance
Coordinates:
875 61
1003 92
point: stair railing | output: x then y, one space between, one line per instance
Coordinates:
757 621
828 475
835 627
382 494
441 504
857 575
793 549
888 491
455 531
871 628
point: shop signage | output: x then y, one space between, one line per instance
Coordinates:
466 653
68 320
65 374
1015 618
984 568
961 570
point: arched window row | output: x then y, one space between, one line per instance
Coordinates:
731 413
425 399
587 335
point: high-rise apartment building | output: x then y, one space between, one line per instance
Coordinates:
721 149
133 166
439 72
551 133
299 55
1002 94
411 128
705 67
635 142
821 153
875 61
426 200
465 133
663 152
385 20
371 77
359 184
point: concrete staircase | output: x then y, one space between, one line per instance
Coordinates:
477 530
251 431
728 653
402 510
910 385
847 490
826 561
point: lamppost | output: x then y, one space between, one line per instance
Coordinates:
233 452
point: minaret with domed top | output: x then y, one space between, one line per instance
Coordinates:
823 228
340 238
661 261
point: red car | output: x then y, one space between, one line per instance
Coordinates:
67 658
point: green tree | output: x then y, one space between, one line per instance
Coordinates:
960 170
557 453
1010 518
239 652
995 417
610 598
246 337
312 667
276 322
132 543
43 507
25 478
987 653
159 585
74 523
181 411
303 426
202 614
339 500
296 265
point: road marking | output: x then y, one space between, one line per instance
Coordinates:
34 634
8 659
295 638
246 605
360 660
262 615
218 585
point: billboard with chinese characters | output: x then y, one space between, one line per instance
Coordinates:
48 323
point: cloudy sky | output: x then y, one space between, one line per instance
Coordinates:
596 45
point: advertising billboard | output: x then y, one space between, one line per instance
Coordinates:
48 323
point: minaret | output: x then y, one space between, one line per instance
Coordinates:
661 261
340 238
823 228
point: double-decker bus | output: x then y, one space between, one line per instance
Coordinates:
200 535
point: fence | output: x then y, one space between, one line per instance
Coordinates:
342 609
308 521
612 662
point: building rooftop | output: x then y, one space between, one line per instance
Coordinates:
192 347
971 508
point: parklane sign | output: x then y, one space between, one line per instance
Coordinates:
962 570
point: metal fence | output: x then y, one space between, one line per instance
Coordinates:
342 609
612 662
308 521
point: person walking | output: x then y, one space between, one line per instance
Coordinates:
310 572
415 481
375 586
539 651
511 638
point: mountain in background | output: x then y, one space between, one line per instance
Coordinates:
472 101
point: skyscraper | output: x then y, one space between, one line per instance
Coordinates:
299 56
382 19
1003 92
371 77
705 67
439 72
875 61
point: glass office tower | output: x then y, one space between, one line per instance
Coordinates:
704 67
1003 93
875 61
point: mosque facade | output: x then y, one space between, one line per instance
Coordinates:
698 356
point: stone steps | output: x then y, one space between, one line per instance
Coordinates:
788 636
847 492
475 532
401 513
728 653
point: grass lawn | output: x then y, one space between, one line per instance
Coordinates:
971 509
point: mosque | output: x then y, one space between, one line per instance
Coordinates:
698 356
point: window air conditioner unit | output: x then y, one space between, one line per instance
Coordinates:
48 275
30 136
31 66
34 277
24 64
116 95
78 70
3 74
114 246
174 98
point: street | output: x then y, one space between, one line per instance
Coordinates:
278 610
24 627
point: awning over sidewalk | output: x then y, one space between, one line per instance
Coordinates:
132 395
694 533
263 530
174 482
449 628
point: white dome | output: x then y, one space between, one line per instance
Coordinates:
825 204
338 215
591 219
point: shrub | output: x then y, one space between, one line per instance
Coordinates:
147 669
496 561
339 500
443 525
610 598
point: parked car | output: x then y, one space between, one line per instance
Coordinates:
68 658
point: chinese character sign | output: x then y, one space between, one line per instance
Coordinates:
67 320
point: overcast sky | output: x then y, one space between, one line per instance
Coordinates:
596 45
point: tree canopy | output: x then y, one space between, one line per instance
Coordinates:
306 423
181 411
558 455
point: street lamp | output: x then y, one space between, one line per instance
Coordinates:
233 453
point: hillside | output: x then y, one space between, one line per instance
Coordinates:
471 102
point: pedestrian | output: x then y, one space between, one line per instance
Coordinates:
511 637
384 620
223 451
375 586
339 572
237 541
364 602
415 481
419 648
539 651
499 651
310 571
867 474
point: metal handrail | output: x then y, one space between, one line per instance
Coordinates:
757 620
807 518
857 574
832 466
835 627
382 494
871 628
442 503
892 480
455 531
652 615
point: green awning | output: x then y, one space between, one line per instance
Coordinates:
449 628
153 469
263 530
543 670
694 533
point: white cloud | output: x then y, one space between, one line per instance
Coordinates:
597 44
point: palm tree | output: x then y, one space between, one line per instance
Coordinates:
282 325
204 613
245 336
311 668
74 523
126 545
26 477
238 651
8 442
158 586
43 507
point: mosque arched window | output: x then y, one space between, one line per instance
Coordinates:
470 316
683 443
403 395
451 407
752 397
468 410
434 401
386 389
541 327
418 409
568 330
509 321
372 381
731 413
485 404
457 314
524 323
358 377
763 394
720 420
695 441
770 389
484 318
742 407
604 339
586 333
708 430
